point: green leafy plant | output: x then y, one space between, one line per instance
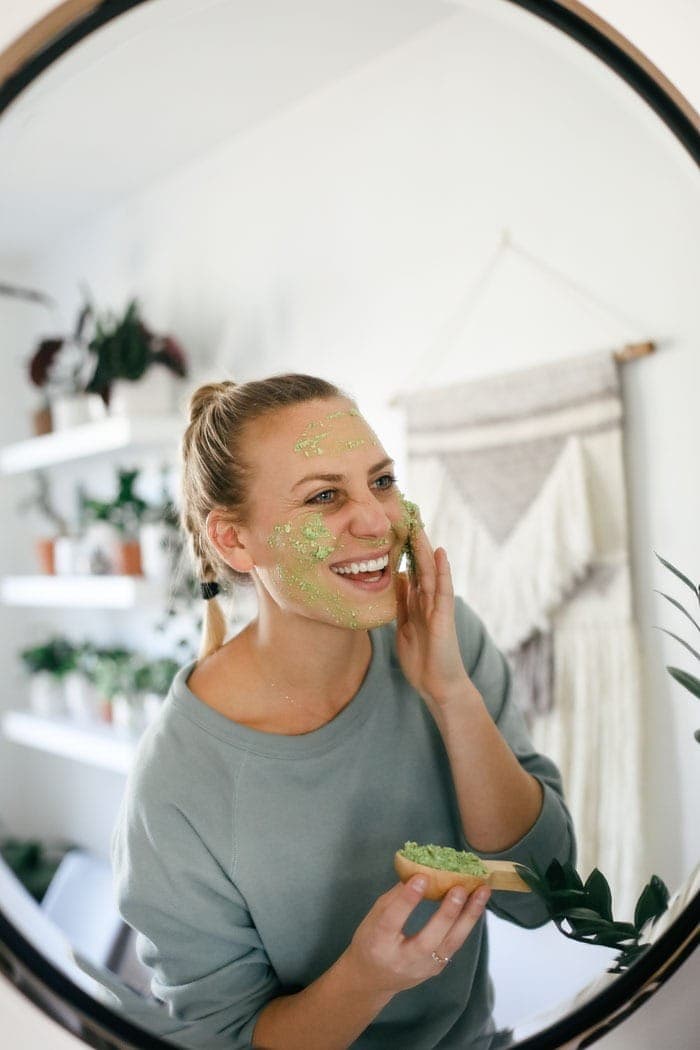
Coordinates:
110 671
125 349
155 676
62 365
583 911
684 678
125 511
57 657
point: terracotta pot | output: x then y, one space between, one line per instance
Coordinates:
129 563
41 421
45 555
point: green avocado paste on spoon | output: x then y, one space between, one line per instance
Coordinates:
444 857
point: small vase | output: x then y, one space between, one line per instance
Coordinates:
126 715
156 550
151 395
76 409
46 554
66 555
80 698
41 421
100 550
46 695
129 563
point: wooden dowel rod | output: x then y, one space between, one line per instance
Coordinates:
634 350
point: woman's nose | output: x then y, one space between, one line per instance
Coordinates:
369 518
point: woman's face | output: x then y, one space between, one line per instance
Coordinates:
326 524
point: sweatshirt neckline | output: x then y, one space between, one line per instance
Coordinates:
186 703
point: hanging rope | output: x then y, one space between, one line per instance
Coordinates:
440 348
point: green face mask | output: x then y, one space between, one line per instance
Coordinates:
304 546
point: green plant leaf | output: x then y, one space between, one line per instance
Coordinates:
585 913
688 681
679 574
679 606
573 879
534 881
690 649
652 902
598 894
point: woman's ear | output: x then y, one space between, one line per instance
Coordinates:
226 538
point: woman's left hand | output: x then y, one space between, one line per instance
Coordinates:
426 635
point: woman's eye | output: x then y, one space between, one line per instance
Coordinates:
388 479
318 498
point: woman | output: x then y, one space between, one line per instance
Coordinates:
254 849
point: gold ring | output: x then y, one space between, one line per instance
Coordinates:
440 959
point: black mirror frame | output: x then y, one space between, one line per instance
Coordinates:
20 962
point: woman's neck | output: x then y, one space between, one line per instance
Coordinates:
322 664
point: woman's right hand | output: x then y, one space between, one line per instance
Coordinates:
385 960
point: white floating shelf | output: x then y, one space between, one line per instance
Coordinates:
96 746
90 439
80 592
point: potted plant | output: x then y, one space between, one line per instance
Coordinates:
81 697
126 513
152 680
105 667
48 665
111 543
62 368
101 542
134 367
46 546
159 535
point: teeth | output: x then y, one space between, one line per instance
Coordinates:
375 565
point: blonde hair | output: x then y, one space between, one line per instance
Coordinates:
215 473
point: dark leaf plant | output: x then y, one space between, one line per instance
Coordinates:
684 678
583 911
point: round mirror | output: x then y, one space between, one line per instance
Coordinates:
478 217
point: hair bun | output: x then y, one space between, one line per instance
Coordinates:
206 395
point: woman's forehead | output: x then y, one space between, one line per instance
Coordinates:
314 434
314 428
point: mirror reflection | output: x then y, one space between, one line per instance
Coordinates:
459 218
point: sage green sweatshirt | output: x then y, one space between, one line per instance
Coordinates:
246 860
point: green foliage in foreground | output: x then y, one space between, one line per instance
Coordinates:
583 911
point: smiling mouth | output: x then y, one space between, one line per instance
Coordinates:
367 569
372 574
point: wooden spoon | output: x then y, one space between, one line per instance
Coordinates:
502 876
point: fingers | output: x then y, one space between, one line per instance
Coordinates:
399 902
465 923
401 585
444 591
452 923
425 563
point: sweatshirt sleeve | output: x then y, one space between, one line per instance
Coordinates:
194 928
552 834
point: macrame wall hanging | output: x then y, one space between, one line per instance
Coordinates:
520 477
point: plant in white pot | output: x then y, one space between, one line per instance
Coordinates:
152 680
62 368
111 528
48 665
135 369
160 537
81 696
107 669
